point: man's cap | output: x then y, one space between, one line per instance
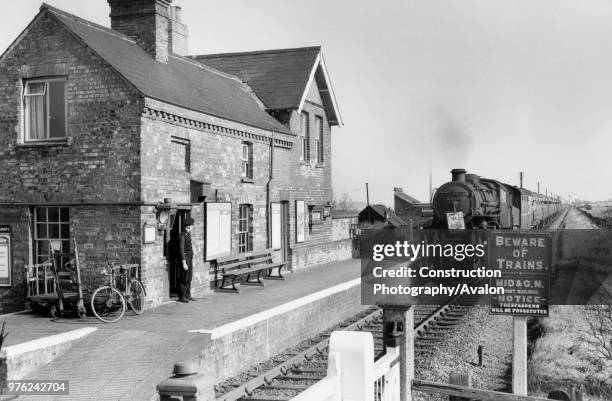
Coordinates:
188 221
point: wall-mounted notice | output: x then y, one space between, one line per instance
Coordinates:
5 256
218 229
300 221
276 226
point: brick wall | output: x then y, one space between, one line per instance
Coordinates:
99 160
311 182
216 159
97 164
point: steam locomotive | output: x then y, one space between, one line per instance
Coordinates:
490 204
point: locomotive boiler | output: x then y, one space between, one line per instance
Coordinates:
489 204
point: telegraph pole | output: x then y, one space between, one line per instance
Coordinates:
521 178
367 195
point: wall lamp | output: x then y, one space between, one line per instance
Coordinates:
165 213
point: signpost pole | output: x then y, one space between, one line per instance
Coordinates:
519 355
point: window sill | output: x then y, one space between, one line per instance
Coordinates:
304 163
42 144
247 180
320 165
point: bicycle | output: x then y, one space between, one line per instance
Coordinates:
108 302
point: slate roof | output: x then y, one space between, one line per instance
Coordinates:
406 197
392 218
279 77
182 81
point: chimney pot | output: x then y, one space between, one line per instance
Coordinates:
178 33
458 174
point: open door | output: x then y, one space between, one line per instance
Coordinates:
173 251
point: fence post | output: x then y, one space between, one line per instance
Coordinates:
398 324
356 350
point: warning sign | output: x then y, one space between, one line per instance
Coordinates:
524 259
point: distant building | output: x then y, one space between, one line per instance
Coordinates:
379 216
410 209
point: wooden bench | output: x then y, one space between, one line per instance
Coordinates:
251 264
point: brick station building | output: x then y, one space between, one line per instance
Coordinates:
103 131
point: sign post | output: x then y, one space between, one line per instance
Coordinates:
525 261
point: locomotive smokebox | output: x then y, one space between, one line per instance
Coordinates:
458 174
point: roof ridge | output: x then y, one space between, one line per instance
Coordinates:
83 21
246 87
256 52
205 67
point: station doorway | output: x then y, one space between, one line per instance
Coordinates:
172 253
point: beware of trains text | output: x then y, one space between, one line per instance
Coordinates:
524 258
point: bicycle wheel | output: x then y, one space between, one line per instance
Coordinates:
107 304
136 297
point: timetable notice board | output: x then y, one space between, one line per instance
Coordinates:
5 256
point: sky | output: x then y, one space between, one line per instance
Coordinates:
495 87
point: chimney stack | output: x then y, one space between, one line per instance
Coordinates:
178 33
146 21
458 175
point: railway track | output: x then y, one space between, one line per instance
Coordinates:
290 373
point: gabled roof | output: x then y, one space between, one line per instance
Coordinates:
386 214
281 78
404 196
181 81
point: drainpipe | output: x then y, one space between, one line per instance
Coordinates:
268 205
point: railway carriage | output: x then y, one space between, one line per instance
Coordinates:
491 204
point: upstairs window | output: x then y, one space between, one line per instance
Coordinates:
180 154
319 138
305 136
44 102
247 160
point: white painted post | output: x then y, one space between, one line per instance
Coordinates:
356 351
407 356
519 356
394 317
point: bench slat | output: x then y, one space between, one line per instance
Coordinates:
233 265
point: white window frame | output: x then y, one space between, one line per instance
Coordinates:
319 138
305 136
245 218
247 161
26 119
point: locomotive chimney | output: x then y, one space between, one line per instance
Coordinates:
458 174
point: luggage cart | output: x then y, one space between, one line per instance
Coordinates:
63 301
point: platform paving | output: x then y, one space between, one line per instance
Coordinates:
125 360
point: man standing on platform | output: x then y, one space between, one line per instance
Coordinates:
186 260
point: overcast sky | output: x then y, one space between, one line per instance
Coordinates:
495 87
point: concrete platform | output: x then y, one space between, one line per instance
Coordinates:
226 332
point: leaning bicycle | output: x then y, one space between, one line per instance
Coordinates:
109 302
